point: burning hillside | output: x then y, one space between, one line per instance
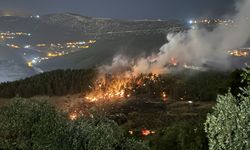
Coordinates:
110 87
192 50
122 86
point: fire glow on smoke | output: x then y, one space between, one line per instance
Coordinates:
191 49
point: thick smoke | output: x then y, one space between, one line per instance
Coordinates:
119 64
197 47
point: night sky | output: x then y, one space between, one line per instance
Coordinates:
122 9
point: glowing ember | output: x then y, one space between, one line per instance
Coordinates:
146 132
164 96
73 116
131 132
173 61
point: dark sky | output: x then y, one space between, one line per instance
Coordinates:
123 9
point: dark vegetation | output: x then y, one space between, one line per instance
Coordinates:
55 83
187 85
180 137
177 126
227 126
199 86
32 124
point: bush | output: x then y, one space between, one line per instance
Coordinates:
228 127
32 124
27 124
180 137
54 83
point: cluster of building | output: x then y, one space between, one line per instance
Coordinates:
243 52
48 50
68 45
57 49
212 21
36 60
12 35
12 45
36 16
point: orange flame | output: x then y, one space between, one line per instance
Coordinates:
122 86
73 116
146 132
110 87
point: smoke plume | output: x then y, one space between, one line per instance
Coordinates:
196 47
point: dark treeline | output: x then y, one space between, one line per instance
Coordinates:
201 86
54 83
189 85
178 86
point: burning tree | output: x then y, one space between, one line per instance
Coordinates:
124 86
109 87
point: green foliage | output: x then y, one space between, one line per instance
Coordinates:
203 86
236 82
26 124
132 144
31 124
99 134
246 75
95 134
180 137
228 127
58 82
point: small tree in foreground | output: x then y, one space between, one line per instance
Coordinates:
28 124
228 127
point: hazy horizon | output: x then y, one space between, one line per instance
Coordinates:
167 9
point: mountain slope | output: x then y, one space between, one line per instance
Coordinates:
66 26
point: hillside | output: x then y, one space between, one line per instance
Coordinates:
67 26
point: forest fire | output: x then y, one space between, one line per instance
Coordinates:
124 86
110 87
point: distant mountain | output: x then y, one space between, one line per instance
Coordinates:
90 25
72 26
